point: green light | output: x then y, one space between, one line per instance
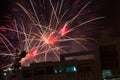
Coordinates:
106 73
71 69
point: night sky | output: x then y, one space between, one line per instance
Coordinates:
112 12
108 8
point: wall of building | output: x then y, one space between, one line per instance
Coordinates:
109 50
65 70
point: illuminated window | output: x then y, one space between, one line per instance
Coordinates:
58 69
71 69
106 73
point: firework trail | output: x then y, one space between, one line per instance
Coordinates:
43 29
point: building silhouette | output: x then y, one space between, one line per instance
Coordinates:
84 69
1 74
109 50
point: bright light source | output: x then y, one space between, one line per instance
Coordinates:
74 68
5 74
71 69
9 69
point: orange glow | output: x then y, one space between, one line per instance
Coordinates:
30 55
51 39
64 30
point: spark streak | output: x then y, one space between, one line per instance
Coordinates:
46 30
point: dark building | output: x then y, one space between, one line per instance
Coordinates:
70 70
1 74
87 69
109 50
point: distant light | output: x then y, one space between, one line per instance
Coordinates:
74 68
71 69
106 73
60 71
55 71
5 74
20 67
9 69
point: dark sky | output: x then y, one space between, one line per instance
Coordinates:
112 13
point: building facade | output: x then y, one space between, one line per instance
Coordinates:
87 69
109 51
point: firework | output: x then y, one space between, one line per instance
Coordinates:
45 28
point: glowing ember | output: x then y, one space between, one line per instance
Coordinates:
51 39
64 30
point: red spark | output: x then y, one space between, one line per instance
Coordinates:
64 30
51 39
30 55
